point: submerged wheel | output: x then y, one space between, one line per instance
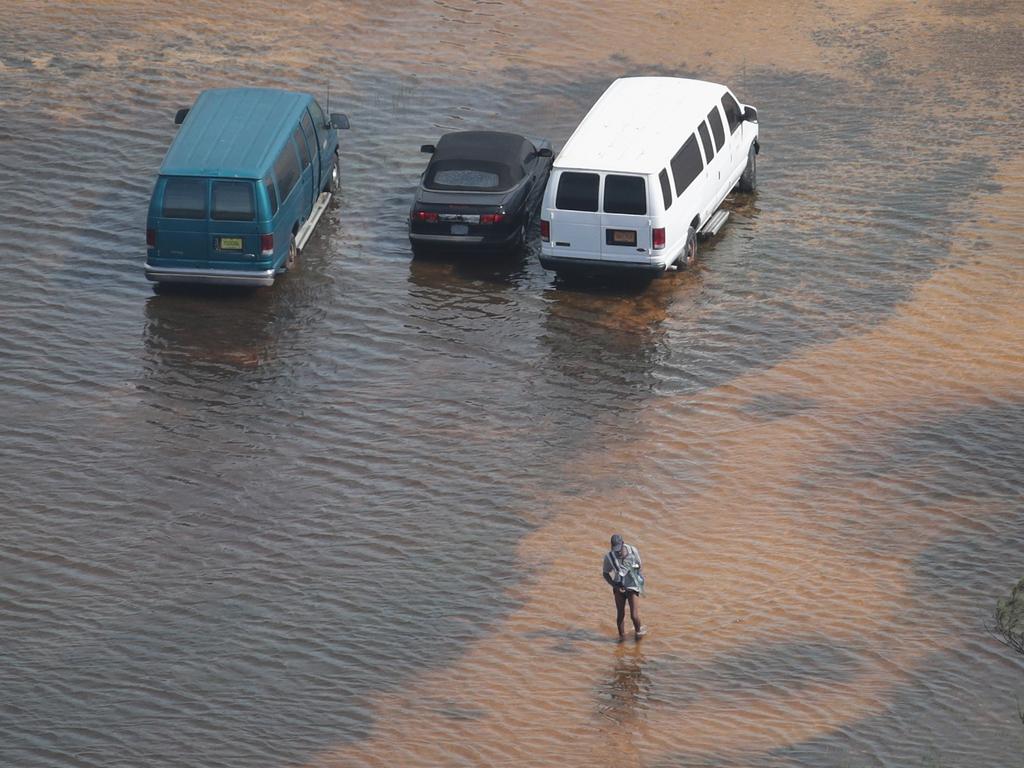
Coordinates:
293 255
689 255
748 181
335 178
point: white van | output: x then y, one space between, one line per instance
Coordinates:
643 174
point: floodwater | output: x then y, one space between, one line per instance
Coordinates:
357 519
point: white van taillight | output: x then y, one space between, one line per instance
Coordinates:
545 231
267 245
151 238
492 218
658 238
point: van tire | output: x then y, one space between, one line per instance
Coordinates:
334 180
748 181
293 255
689 255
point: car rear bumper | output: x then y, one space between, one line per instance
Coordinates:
569 264
497 240
254 278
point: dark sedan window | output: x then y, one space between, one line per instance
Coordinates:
468 175
625 194
577 192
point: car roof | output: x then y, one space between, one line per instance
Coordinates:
234 132
638 124
496 146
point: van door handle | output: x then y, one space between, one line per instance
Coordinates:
565 244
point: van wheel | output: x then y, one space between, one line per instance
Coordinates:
748 181
335 178
689 255
293 255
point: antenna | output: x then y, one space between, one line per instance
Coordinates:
328 97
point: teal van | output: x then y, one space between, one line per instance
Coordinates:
241 188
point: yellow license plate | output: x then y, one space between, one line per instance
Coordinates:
231 243
624 238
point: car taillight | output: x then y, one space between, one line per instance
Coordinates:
267 244
428 216
658 238
492 218
151 238
545 231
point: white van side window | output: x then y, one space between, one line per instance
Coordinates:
686 165
666 190
705 139
732 112
577 191
716 127
625 194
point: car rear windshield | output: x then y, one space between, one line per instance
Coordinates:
577 191
185 199
233 201
468 175
625 194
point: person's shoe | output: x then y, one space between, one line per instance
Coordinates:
641 632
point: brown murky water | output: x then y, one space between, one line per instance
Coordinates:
357 519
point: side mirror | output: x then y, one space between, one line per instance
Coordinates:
750 114
428 148
339 120
179 116
545 152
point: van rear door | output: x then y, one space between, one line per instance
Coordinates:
182 228
625 219
575 221
233 232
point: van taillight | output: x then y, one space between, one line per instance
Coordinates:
267 244
545 231
492 218
151 238
658 238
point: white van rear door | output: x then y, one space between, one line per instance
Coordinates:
574 218
625 219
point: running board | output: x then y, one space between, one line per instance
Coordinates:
314 216
715 223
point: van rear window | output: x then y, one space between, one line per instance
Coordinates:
625 194
233 201
577 191
185 199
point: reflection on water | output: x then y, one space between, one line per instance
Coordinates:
351 520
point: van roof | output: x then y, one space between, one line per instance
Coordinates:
234 132
638 124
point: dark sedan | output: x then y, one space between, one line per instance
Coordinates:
481 190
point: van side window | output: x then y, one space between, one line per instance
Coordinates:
577 191
185 199
716 127
268 184
233 201
666 190
303 148
625 194
286 169
307 128
318 115
705 139
686 165
733 114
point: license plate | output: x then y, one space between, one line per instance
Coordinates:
460 229
231 243
621 237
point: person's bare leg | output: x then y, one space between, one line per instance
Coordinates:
634 614
620 613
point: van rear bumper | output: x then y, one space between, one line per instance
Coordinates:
252 278
568 264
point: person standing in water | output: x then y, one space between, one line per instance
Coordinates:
622 569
